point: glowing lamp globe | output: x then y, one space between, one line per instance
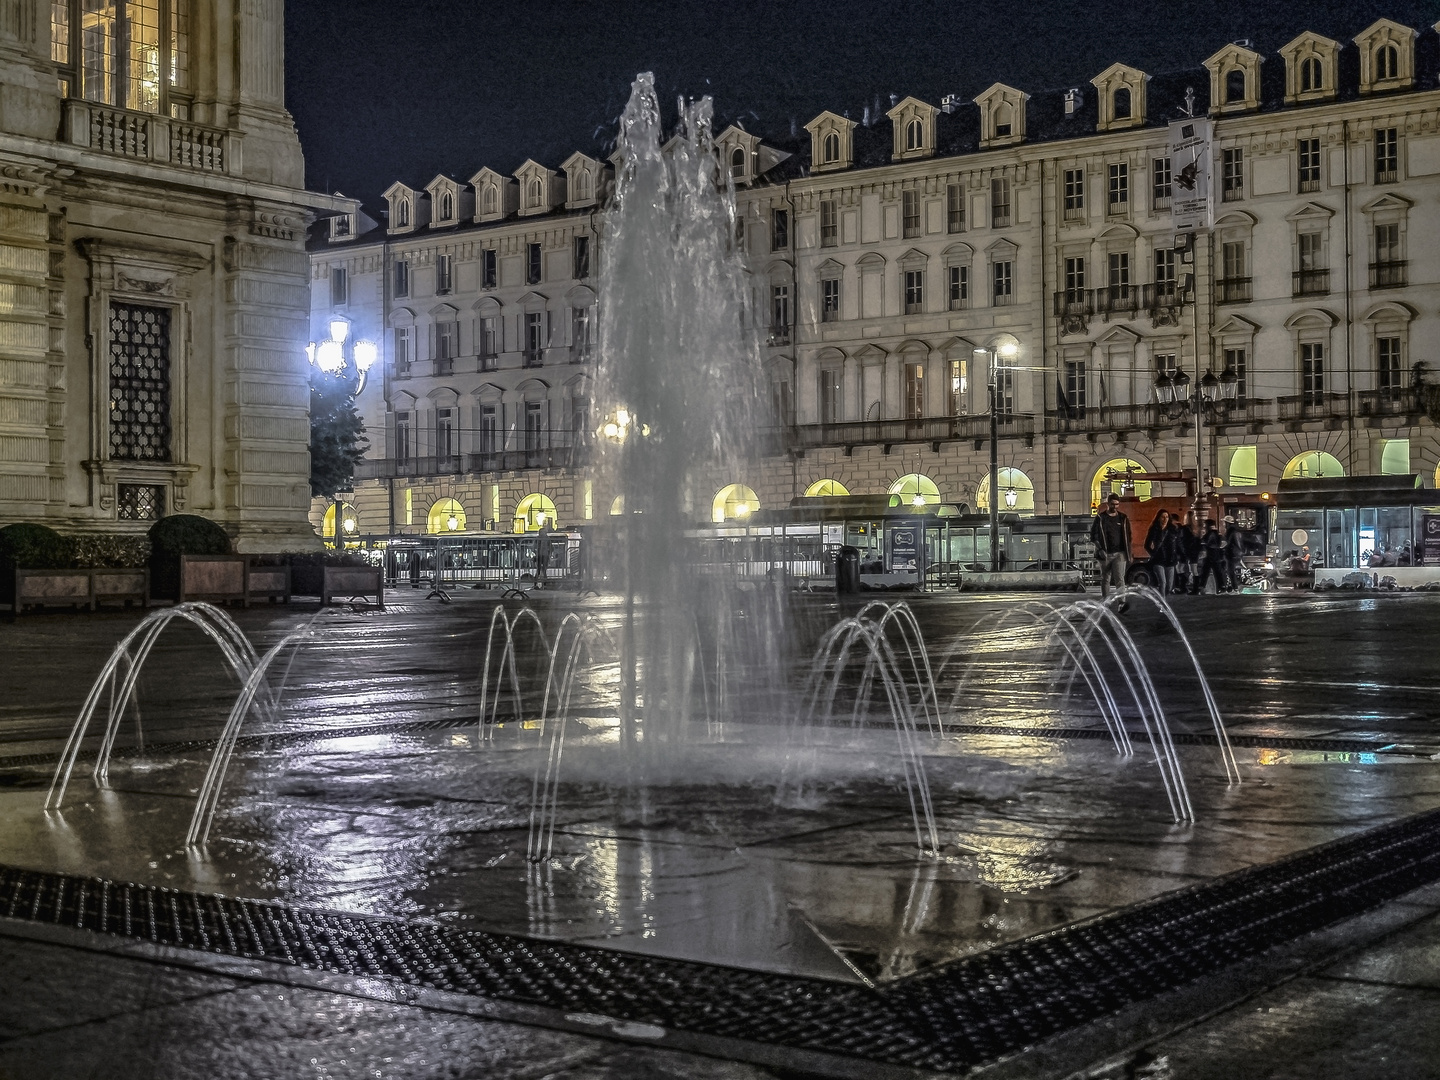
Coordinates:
329 357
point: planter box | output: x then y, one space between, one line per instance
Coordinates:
268 583
351 581
75 588
217 579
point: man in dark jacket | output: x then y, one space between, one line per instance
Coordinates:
1110 532
1213 545
1234 544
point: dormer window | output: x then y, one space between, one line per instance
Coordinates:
1121 106
582 186
340 227
912 129
914 135
402 214
1235 79
1387 56
447 206
1002 115
1004 119
831 148
1234 86
1387 63
1310 62
1312 75
489 199
536 194
737 163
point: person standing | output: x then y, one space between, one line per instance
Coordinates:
1213 545
1161 542
1110 533
1234 544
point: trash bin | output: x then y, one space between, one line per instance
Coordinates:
847 570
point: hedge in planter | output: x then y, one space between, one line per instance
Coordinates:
181 534
34 547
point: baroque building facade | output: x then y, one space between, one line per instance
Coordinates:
914 262
153 277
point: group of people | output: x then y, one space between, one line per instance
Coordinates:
1184 556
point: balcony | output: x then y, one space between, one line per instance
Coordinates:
1389 274
1390 401
1311 282
1312 406
1118 301
780 335
1083 420
1163 301
1233 290
922 430
151 137
1073 307
1253 413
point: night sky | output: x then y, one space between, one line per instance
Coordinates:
386 90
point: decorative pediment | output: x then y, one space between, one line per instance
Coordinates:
1392 311
1311 66
496 196
540 188
402 317
445 201
1387 56
444 313
1236 326
739 152
533 301
581 296
912 122
871 260
1120 91
1312 212
914 258
830 268
408 207
958 254
1002 248
1234 80
1311 318
487 307
1002 115
871 353
1389 201
582 180
1120 335
1120 231
912 346
832 143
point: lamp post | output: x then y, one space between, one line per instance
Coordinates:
346 361
992 353
1176 397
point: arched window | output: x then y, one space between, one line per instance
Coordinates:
617 506
830 152
734 502
1120 476
349 521
446 516
488 201
1312 75
914 135
1234 85
1017 493
402 213
447 206
1387 63
537 197
1122 104
1004 119
534 512
825 488
1313 463
914 489
737 163
582 185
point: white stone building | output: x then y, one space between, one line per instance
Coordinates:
152 269
898 254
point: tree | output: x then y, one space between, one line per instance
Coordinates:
337 434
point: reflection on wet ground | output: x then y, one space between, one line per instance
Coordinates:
707 862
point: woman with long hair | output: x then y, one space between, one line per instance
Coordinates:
1161 543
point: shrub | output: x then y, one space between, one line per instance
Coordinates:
181 534
307 568
112 550
35 547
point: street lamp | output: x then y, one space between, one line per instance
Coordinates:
1007 350
1175 396
347 360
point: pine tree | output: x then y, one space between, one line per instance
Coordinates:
337 434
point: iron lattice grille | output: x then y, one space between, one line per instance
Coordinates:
139 382
140 502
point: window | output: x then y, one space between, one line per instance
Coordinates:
829 223
1074 280
1160 183
954 208
958 387
339 286
829 396
534 424
959 287
779 230
780 311
1166 364
1004 119
1074 194
1118 275
1234 284
534 338
1311 251
403 354
914 391
489 429
446 346
1238 361
580 427
489 200
1312 75
1121 109
139 382
402 438
910 213
532 264
444 433
1119 188
126 53
1387 63
1387 365
139 502
447 206
489 342
341 226
487 268
581 334
1234 86
1232 174
1004 392
444 274
914 135
737 163
1387 155
402 279
1075 384
1312 372
1166 272
914 292
1003 278
830 300
1388 270
536 196
999 203
1307 156
582 185
830 148
402 214
582 257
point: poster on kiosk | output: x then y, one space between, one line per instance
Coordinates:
903 540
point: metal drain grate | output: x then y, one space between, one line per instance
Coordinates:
952 1018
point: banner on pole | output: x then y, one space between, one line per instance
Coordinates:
1190 174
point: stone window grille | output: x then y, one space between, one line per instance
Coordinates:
139 502
139 382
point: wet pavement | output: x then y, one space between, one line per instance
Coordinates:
1036 831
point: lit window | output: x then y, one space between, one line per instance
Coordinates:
114 51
